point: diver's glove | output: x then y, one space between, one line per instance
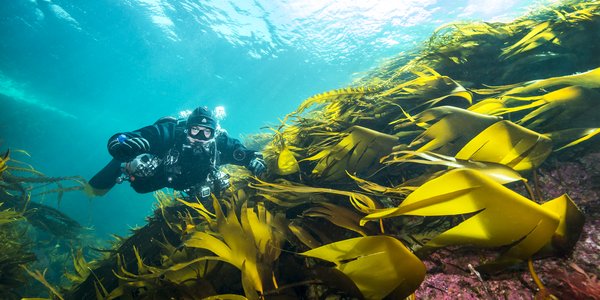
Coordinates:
257 166
125 147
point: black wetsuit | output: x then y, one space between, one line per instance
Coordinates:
182 166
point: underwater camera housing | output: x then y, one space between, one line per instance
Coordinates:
143 165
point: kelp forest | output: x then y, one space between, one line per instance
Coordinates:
466 169
36 240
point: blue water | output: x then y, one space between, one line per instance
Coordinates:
74 72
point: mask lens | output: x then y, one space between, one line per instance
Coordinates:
201 133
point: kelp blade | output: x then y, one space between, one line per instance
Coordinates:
378 265
570 227
501 216
359 151
509 144
286 162
452 128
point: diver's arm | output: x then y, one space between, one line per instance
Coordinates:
104 180
233 152
154 139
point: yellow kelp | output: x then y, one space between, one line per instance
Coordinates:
508 144
589 79
226 297
527 228
448 128
398 101
568 107
338 215
539 35
370 108
9 215
360 151
251 243
498 172
484 53
281 158
428 90
346 94
567 114
3 159
361 202
286 162
155 280
479 137
569 229
399 191
378 265
572 137
81 267
41 277
553 32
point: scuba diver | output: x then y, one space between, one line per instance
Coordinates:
181 154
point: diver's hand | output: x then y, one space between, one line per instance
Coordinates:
257 166
125 147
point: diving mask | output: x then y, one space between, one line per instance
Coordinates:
201 133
